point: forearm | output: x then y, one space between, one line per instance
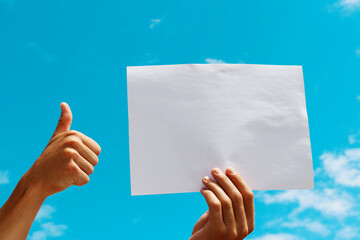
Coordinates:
19 212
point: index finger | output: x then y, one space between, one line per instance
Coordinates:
91 144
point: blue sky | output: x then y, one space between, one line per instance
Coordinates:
77 51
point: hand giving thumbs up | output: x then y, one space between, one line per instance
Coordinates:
68 159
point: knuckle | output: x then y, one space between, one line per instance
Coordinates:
85 180
70 153
243 232
249 195
72 132
237 196
82 182
227 203
232 234
216 205
72 141
73 169
251 227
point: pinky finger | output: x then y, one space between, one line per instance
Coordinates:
215 212
81 178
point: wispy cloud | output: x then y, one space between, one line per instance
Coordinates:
354 138
312 226
54 230
348 6
213 60
329 202
344 168
4 177
45 212
49 230
357 51
347 232
279 236
155 22
332 205
38 235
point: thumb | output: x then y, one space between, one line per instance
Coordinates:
201 222
64 120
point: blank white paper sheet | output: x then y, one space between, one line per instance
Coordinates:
186 119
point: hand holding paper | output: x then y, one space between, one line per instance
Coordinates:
231 213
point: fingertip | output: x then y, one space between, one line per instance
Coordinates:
99 150
65 119
216 171
206 179
231 171
65 110
64 105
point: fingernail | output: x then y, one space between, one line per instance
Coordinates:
231 170
206 179
216 171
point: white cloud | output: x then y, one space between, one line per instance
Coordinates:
358 97
279 236
344 168
354 138
212 60
312 226
273 222
49 230
54 230
4 177
329 201
348 5
155 22
347 232
38 235
45 212
357 51
336 203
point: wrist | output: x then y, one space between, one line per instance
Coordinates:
32 187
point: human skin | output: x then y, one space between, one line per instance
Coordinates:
68 159
231 214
